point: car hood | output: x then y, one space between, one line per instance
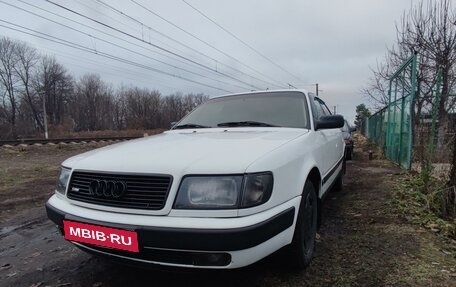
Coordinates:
201 151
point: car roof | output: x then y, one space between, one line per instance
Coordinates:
261 92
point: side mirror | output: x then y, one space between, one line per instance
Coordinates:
330 122
172 124
352 129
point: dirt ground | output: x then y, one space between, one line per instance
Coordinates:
362 241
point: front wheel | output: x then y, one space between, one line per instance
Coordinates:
303 244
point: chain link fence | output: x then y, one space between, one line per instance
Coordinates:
391 127
414 139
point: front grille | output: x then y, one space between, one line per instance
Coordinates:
142 191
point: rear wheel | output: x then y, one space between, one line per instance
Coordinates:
339 184
303 244
349 154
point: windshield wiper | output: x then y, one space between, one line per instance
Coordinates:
245 124
190 126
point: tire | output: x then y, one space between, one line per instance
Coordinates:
303 244
339 184
349 154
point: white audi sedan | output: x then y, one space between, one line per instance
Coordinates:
237 179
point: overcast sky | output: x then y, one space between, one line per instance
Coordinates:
299 42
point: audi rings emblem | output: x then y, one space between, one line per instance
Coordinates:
108 188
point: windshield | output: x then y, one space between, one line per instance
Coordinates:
281 109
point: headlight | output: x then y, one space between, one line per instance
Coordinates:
62 180
224 192
257 189
205 192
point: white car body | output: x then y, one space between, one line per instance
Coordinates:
290 154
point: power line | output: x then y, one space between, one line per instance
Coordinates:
132 28
75 61
121 47
106 55
151 44
240 40
291 86
184 45
173 40
65 56
116 37
168 37
104 14
201 40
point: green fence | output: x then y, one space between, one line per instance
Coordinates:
391 127
375 127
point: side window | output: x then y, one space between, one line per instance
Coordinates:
325 108
346 127
320 108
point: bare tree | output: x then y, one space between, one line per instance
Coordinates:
54 86
29 79
377 88
433 31
171 108
119 112
191 101
175 106
9 80
91 104
25 69
142 108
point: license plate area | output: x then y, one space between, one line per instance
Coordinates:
120 239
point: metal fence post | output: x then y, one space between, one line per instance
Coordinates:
412 101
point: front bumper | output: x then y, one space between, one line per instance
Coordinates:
203 245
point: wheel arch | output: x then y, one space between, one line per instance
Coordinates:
314 176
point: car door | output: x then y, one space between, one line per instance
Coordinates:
330 140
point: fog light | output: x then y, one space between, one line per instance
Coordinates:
211 259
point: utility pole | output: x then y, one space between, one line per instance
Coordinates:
45 118
334 109
316 89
